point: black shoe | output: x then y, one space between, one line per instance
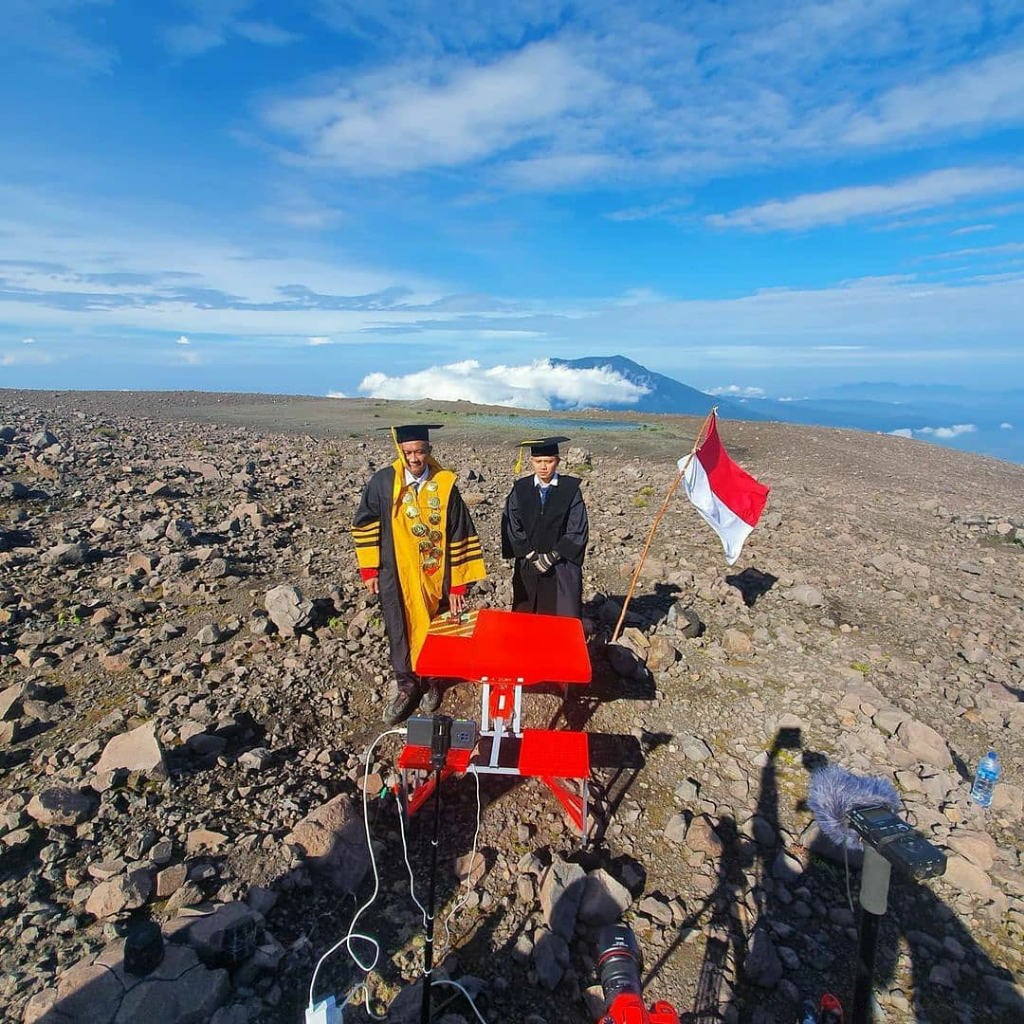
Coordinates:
432 698
402 705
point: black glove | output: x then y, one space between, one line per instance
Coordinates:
544 562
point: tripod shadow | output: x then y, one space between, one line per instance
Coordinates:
726 914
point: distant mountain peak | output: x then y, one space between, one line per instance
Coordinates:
664 394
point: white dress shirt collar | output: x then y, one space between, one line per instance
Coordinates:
418 481
553 482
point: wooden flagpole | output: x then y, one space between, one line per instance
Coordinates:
657 521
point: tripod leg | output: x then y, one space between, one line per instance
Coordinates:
874 901
428 948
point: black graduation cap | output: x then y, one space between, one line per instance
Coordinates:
543 445
414 431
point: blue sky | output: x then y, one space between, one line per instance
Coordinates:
291 197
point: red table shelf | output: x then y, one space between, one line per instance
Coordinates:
504 652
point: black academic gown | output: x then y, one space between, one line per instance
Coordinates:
374 508
559 525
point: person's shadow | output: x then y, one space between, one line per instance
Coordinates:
950 975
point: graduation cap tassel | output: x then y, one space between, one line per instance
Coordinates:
657 520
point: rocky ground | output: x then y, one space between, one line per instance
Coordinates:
191 674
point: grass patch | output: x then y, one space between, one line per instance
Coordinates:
1007 543
860 666
108 432
640 502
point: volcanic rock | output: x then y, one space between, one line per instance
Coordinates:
333 841
61 805
137 750
561 893
288 609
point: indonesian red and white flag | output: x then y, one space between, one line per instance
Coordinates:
729 498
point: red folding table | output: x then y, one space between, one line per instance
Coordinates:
503 652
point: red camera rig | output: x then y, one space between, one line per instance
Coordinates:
503 653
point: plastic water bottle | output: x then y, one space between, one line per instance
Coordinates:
985 780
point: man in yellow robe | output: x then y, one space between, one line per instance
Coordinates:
418 550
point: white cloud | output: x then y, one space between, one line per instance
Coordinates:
265 33
47 29
1006 426
305 216
182 340
972 229
537 385
954 431
23 358
216 21
986 94
736 391
558 170
649 91
407 118
336 394
860 324
981 250
318 339
945 433
662 209
28 341
192 40
837 206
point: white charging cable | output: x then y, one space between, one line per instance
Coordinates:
352 933
408 866
469 998
458 906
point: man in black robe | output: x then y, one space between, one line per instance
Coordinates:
544 528
418 549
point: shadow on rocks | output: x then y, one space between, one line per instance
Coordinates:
802 934
752 584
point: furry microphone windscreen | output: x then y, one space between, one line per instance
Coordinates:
835 792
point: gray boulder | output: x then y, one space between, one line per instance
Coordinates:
61 805
65 554
288 609
604 899
333 840
550 958
924 743
136 750
561 893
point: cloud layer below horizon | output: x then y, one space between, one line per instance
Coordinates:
536 385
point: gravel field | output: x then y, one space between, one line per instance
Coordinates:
191 674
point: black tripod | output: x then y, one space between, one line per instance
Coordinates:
440 743
874 901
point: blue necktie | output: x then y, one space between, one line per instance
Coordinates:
543 495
